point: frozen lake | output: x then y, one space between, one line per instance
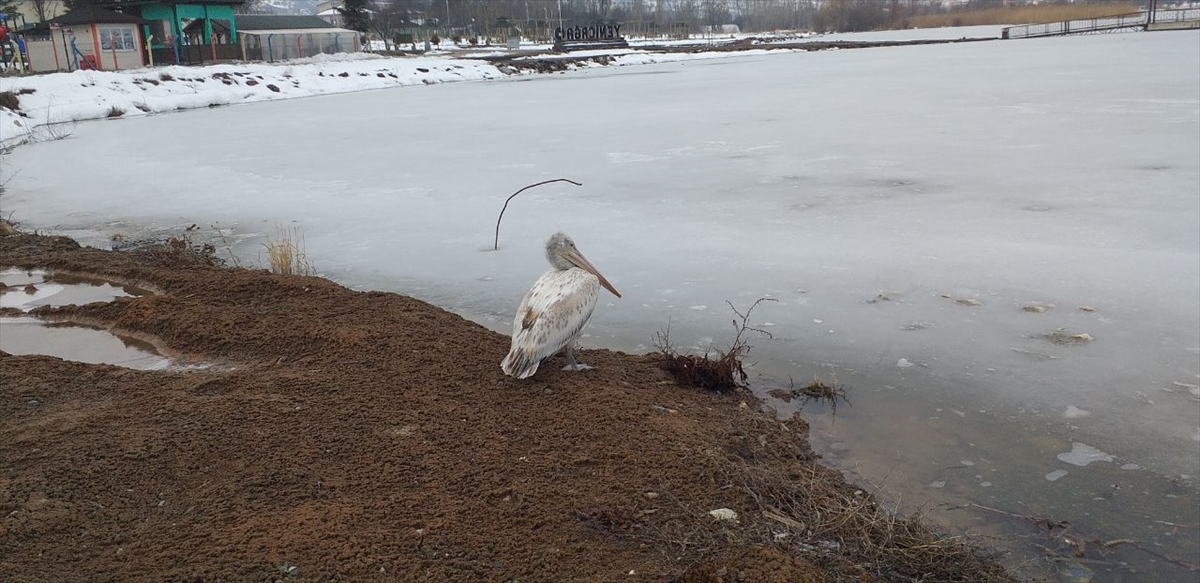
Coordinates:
995 245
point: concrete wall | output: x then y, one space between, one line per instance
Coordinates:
42 55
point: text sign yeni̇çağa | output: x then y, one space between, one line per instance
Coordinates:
601 32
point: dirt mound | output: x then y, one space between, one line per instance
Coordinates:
370 436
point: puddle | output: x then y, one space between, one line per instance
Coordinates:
26 290
77 343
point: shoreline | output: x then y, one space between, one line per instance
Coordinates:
367 434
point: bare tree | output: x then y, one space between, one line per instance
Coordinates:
716 13
45 9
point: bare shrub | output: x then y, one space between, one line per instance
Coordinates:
723 372
55 131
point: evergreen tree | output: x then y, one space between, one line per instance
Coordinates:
355 15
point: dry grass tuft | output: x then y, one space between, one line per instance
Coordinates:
829 521
286 253
8 229
115 111
1022 14
721 373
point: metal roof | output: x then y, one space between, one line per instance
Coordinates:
277 22
94 15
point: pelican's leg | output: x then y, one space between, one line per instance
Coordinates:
575 365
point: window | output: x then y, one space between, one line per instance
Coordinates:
120 39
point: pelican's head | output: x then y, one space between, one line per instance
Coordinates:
562 254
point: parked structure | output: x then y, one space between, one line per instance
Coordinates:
86 38
280 37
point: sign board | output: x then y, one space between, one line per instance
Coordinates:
602 32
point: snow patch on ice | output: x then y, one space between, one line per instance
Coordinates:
1082 454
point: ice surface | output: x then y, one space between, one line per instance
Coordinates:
1055 475
1058 171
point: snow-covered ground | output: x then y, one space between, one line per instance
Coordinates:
82 95
941 224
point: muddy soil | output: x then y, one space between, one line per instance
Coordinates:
350 436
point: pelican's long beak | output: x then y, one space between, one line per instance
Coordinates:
578 260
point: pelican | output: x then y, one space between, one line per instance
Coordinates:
555 310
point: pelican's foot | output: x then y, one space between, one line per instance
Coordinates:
574 365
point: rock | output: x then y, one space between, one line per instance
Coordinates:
724 514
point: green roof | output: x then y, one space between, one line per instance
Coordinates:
278 22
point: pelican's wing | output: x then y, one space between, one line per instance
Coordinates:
552 315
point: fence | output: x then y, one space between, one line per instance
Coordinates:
283 44
1159 19
1178 18
196 54
1132 20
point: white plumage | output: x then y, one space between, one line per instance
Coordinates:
554 312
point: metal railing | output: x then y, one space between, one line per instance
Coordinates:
1177 15
1132 20
1135 20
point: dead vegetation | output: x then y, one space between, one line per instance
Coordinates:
177 252
286 255
7 228
794 519
115 111
10 101
829 522
1029 14
816 390
722 372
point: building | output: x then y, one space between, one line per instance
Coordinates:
86 38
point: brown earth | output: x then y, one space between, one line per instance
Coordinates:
348 436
